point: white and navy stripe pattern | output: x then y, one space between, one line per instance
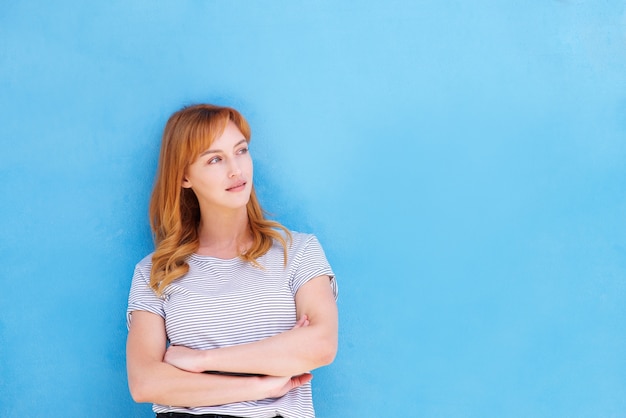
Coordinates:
220 303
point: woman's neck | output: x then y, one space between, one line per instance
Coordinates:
224 235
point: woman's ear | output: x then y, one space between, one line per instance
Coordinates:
186 183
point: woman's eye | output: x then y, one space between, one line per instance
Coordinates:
242 151
214 160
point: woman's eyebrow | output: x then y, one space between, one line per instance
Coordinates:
213 151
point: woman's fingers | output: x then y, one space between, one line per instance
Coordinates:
300 380
302 322
282 385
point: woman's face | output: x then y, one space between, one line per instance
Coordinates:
221 177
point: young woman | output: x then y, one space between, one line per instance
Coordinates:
232 311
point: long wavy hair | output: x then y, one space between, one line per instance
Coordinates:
175 211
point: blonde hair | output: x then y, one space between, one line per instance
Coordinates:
174 210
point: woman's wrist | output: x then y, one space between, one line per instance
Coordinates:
204 361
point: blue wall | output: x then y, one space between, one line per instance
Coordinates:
463 164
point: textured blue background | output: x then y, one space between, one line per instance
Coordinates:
463 163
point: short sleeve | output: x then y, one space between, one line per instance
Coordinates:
310 262
142 297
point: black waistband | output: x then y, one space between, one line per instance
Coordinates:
185 415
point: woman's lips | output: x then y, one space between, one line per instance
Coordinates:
237 187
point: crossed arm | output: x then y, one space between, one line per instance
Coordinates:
173 376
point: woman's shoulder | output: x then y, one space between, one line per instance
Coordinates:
302 240
298 237
145 263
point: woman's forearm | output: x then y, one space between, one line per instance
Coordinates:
164 384
161 383
290 353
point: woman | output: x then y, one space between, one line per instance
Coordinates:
247 307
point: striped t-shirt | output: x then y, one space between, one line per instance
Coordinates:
220 303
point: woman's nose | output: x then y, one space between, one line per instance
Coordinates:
234 169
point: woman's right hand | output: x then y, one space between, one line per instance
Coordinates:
278 386
302 322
